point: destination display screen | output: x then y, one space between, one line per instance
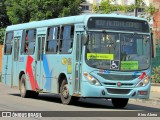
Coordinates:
119 24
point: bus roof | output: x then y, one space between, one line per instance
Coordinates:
64 20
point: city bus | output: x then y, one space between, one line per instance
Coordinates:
85 56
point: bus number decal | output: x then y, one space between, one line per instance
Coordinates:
29 71
129 65
100 56
47 72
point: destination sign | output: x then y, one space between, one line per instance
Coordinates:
118 24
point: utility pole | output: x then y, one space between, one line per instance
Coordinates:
136 9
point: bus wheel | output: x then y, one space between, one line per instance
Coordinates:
24 93
64 93
119 102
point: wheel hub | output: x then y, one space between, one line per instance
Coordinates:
65 91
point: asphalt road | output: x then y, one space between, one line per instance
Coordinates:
10 100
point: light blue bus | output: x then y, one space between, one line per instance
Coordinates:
90 56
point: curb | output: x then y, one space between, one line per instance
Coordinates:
155 84
150 101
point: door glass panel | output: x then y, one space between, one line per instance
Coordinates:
40 48
16 49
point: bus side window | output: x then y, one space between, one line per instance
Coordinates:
31 41
23 42
66 42
26 43
8 43
52 38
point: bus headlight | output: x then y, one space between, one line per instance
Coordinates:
91 79
143 82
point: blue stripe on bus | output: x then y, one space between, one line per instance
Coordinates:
47 72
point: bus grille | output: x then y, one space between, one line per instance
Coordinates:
122 84
118 91
118 77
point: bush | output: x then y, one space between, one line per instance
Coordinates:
2 33
156 75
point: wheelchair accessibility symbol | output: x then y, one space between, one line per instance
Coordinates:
114 64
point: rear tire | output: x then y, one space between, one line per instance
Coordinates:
119 102
64 93
23 92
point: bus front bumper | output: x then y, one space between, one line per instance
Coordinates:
88 90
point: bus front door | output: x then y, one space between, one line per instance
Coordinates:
39 61
78 65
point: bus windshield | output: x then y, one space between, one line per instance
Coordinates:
118 51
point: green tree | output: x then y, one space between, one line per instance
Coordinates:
150 10
2 32
107 6
20 11
4 20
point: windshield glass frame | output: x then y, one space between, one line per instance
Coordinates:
120 60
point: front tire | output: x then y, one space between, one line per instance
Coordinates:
119 102
64 93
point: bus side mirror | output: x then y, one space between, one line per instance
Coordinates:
85 39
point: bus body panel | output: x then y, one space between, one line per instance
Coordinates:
55 67
7 69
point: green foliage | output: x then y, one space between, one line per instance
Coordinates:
150 9
107 6
4 20
2 33
95 8
156 75
20 11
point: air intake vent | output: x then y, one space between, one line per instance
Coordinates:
118 91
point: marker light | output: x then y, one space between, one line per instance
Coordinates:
143 75
142 92
91 79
